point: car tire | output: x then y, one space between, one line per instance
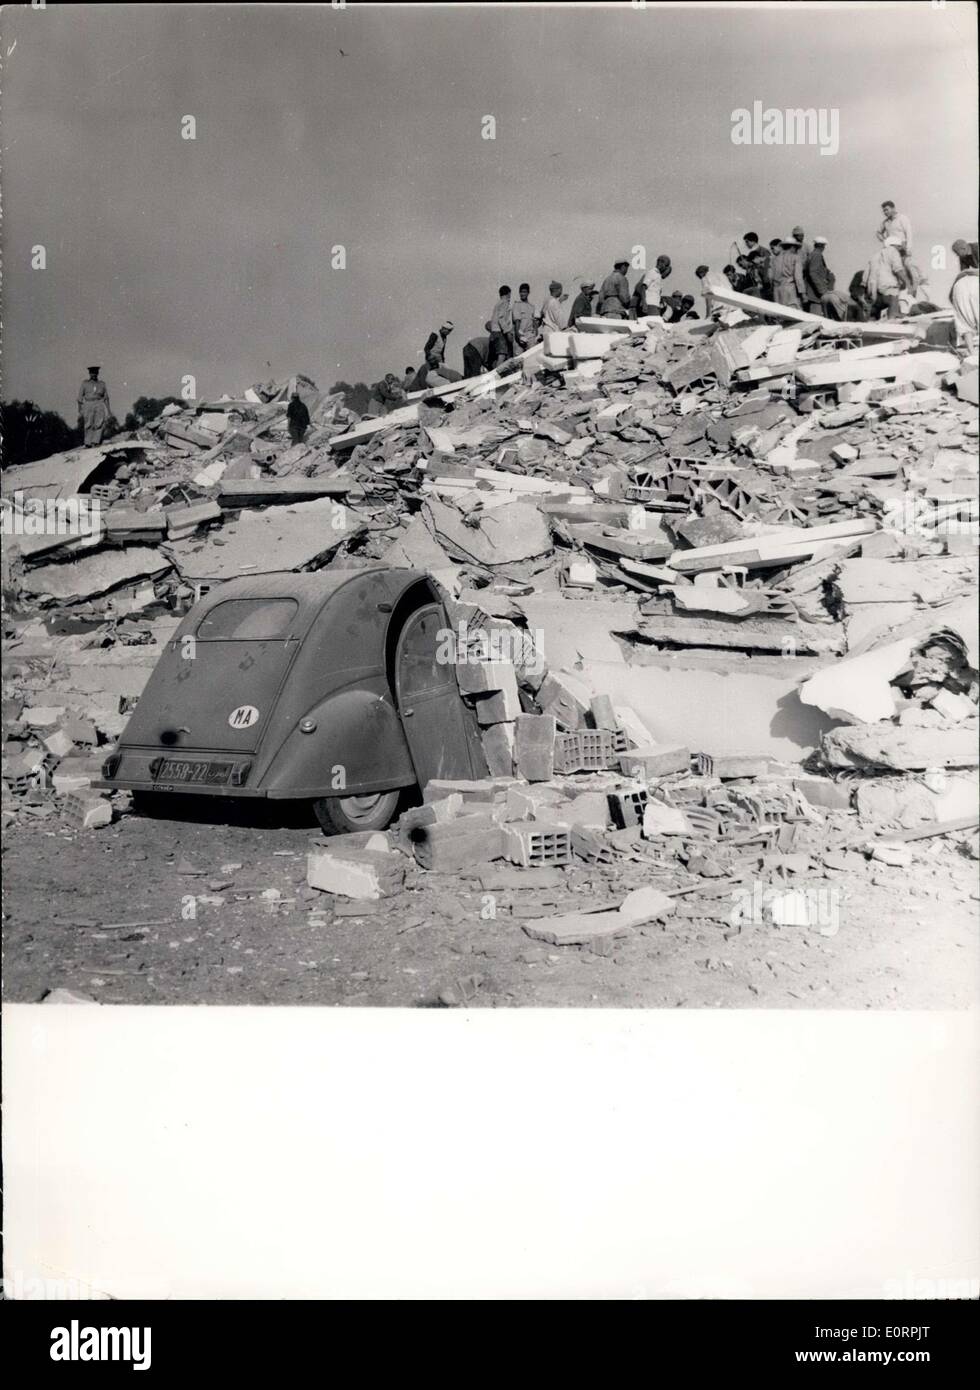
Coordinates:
342 815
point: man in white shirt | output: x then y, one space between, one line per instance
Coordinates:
553 318
897 225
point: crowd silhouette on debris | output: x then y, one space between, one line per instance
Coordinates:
791 271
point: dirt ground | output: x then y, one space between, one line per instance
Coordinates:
120 914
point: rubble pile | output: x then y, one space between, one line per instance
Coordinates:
713 586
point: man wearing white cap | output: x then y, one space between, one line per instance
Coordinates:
435 344
886 278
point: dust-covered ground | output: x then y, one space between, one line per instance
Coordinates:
166 911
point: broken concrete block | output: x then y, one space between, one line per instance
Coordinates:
579 346
899 856
498 749
627 806
646 905
590 810
470 792
566 699
953 706
967 385
824 792
526 802
499 707
58 743
843 453
88 810
636 731
534 746
661 819
457 845
537 844
654 761
485 677
901 802
355 873
576 928
581 574
75 774
42 716
184 519
430 813
603 714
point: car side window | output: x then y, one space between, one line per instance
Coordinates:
419 667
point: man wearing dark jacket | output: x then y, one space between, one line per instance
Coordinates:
614 294
760 258
297 418
582 303
820 281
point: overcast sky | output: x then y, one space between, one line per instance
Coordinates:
212 257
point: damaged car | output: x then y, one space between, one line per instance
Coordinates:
323 687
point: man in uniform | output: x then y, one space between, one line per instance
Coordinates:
93 407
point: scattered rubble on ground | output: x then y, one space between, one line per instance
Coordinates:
717 582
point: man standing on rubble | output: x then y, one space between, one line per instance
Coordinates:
700 271
896 225
552 314
647 297
502 328
803 247
614 293
759 258
965 296
93 407
297 418
435 344
787 275
886 278
820 282
582 303
526 320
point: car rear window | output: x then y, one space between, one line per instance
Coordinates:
248 619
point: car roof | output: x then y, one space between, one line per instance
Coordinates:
311 591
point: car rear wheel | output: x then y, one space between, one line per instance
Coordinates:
340 815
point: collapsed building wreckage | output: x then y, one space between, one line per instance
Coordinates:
711 588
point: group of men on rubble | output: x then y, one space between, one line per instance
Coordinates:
794 271
791 271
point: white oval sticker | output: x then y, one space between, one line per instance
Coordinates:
243 717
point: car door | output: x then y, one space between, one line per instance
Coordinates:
441 732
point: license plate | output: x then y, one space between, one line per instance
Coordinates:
183 770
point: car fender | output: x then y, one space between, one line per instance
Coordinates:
357 747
